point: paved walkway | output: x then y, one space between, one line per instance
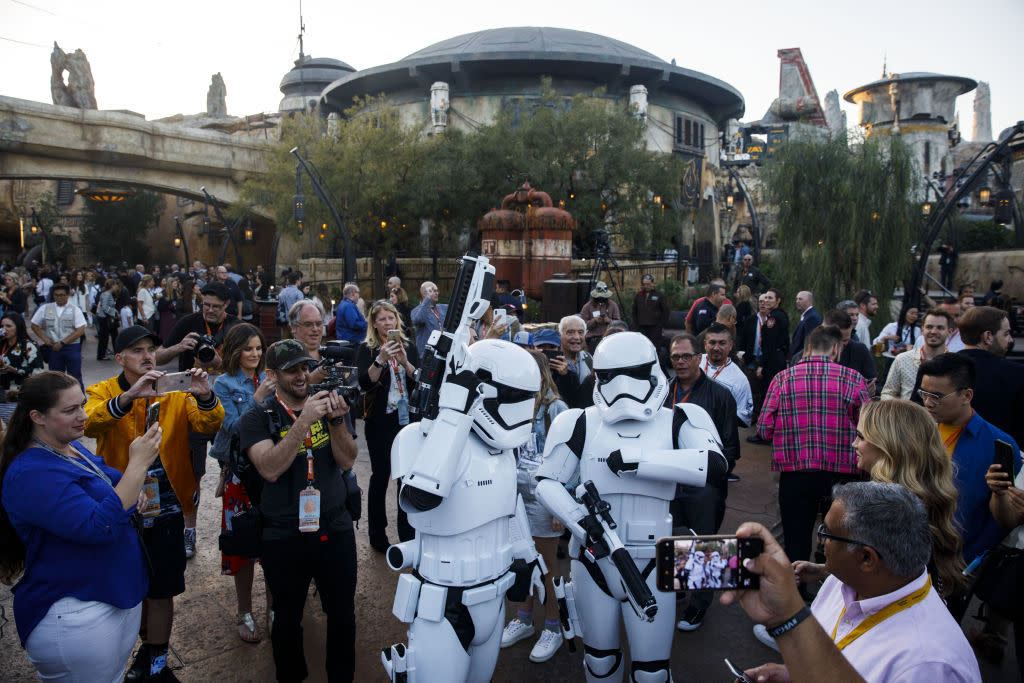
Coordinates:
206 647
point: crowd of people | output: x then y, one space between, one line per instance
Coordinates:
920 448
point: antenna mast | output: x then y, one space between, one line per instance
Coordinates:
302 31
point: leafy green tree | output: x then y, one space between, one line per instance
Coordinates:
846 219
116 231
390 177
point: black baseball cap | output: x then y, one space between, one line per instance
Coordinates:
133 334
286 354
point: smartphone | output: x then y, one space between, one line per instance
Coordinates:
1004 457
706 563
173 381
740 676
152 415
394 335
499 316
552 354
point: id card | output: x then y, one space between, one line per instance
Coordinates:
403 411
309 510
151 492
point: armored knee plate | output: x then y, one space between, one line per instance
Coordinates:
602 664
651 672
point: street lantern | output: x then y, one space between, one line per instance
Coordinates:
984 196
1004 207
177 242
926 209
247 234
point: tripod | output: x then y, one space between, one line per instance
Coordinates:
605 262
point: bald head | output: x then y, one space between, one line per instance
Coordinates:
804 300
428 290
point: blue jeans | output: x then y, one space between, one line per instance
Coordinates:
68 359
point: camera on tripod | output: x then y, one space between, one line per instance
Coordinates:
337 362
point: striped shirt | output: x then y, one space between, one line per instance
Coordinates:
810 415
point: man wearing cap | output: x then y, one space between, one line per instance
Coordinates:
598 313
116 411
302 449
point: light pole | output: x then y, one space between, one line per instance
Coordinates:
349 262
179 240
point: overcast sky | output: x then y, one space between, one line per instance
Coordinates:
157 58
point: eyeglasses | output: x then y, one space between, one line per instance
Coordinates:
213 307
687 357
927 396
823 534
308 324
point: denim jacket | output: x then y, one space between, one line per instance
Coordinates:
237 394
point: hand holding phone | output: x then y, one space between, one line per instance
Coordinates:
740 676
173 381
706 563
394 335
152 415
1003 457
499 316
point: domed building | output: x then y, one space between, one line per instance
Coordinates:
467 80
303 84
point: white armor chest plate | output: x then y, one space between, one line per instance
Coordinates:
640 507
466 540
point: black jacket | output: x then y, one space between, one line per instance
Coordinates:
998 392
811 319
364 358
857 356
720 405
774 343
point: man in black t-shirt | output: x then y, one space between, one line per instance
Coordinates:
212 320
302 448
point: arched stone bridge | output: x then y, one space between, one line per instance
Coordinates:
40 140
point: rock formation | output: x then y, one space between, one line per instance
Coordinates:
834 115
216 104
982 131
79 90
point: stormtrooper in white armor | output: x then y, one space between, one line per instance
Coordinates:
635 452
473 540
714 570
695 580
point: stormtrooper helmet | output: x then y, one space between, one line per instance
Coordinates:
511 381
629 382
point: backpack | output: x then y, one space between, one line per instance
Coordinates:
241 466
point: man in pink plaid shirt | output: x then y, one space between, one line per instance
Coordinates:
810 416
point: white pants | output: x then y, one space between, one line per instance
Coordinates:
83 641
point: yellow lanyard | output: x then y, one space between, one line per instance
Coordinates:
881 615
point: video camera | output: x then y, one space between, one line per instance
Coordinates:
337 361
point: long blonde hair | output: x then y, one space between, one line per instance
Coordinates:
373 340
548 393
912 455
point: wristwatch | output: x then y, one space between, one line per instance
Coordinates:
376 361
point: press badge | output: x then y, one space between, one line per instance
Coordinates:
151 492
403 411
309 510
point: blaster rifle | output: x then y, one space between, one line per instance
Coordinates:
602 541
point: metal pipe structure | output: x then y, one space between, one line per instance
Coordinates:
349 262
913 283
229 229
180 233
755 227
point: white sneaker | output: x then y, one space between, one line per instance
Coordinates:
761 633
516 631
546 647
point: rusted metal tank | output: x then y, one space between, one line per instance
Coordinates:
528 240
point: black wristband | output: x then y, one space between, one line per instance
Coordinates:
790 623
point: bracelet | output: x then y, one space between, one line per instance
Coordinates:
790 623
376 361
337 421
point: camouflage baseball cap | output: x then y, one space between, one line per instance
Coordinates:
286 354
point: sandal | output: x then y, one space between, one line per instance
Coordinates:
247 628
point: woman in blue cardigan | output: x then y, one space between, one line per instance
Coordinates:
66 521
242 386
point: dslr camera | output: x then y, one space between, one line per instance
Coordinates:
206 348
337 363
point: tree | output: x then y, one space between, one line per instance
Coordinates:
389 176
116 231
846 219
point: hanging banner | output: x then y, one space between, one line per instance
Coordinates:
690 185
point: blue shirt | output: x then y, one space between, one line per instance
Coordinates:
426 319
237 393
971 459
78 538
349 323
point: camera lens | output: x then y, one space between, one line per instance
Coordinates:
205 353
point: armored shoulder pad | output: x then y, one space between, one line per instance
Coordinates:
692 427
569 428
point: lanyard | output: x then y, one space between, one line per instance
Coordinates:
393 362
953 334
718 371
308 441
437 315
84 463
881 615
951 439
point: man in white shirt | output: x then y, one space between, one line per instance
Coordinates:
903 373
867 305
717 365
954 343
60 326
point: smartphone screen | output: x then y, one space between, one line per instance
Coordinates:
152 415
1004 457
740 676
173 381
706 563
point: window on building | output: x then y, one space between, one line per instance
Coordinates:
65 192
689 134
